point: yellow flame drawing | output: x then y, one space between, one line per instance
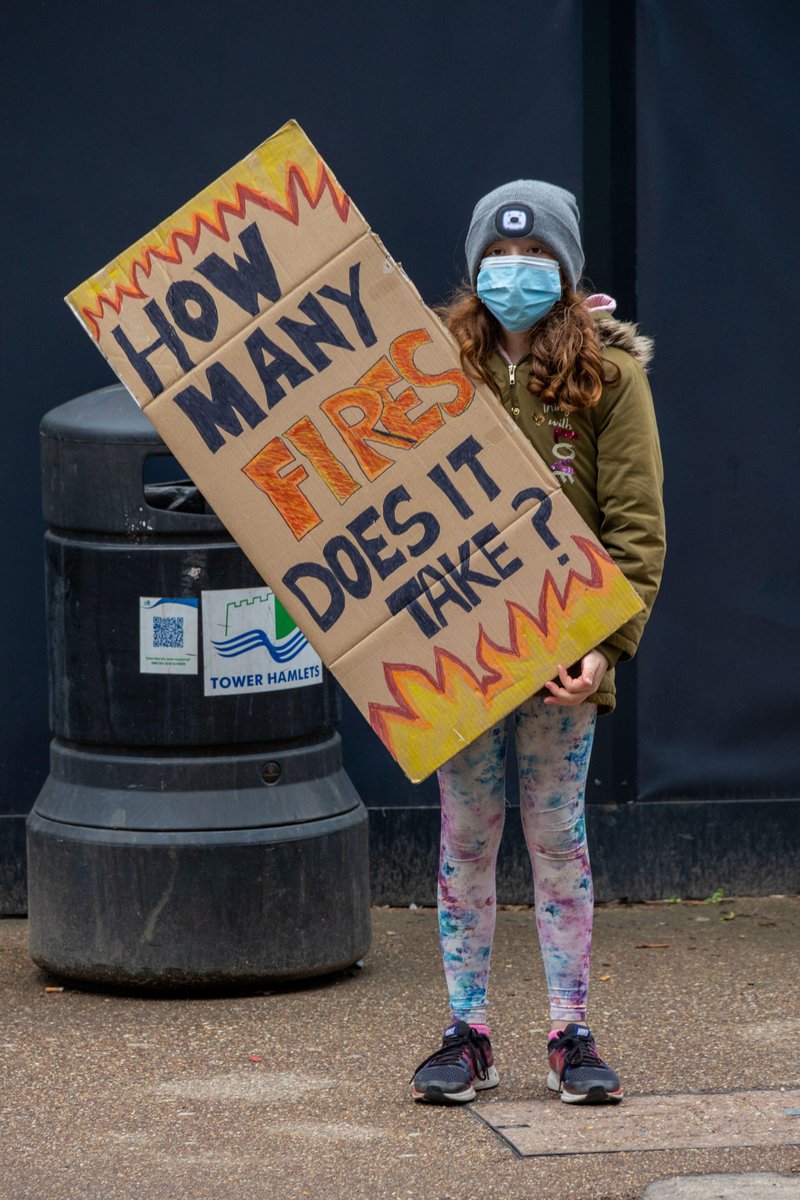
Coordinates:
435 715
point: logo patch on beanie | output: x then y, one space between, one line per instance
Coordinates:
514 221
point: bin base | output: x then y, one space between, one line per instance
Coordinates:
200 887
166 910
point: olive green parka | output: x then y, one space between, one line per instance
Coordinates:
608 462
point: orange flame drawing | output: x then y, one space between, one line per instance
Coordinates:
244 195
437 715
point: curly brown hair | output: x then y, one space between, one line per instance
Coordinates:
567 368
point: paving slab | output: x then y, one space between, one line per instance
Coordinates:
725 1187
675 1121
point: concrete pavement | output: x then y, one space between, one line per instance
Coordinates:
303 1092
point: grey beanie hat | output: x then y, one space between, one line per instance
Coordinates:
528 208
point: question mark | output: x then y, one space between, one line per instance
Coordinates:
540 517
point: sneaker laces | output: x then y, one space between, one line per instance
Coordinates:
580 1052
452 1049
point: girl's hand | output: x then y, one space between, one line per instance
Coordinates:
574 691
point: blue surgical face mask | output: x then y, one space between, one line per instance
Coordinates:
517 289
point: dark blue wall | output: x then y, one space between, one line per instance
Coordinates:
718 174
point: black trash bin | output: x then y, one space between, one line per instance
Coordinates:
196 830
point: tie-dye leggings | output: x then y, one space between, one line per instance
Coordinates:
553 748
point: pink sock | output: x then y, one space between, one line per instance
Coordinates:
484 1029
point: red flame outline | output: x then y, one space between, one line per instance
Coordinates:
381 714
296 181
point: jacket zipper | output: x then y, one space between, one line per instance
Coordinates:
512 373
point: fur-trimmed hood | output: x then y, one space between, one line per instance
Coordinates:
625 336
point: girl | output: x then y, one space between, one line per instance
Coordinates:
572 378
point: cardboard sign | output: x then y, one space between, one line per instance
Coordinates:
398 514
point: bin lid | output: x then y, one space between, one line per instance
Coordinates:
94 451
108 415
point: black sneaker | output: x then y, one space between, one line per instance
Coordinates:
577 1071
453 1074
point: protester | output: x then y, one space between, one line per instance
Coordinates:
572 378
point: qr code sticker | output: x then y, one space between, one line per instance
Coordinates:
168 632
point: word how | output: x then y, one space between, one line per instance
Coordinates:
194 311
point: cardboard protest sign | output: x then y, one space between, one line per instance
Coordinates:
397 513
